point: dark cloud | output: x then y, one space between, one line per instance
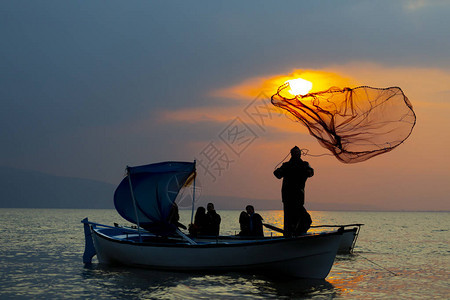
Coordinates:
70 67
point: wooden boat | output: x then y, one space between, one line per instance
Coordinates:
147 198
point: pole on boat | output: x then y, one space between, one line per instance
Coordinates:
188 239
193 194
134 203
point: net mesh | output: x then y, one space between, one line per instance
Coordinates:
355 124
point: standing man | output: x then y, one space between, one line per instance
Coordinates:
295 172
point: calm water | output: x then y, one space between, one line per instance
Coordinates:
398 255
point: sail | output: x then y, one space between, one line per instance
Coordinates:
154 188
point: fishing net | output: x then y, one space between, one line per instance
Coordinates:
355 124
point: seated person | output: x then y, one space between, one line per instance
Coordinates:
244 222
174 217
212 221
200 222
251 223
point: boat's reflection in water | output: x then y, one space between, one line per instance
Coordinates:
292 288
125 282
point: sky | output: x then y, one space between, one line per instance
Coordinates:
89 87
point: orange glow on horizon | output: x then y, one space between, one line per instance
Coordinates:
252 87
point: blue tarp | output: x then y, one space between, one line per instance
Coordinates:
155 188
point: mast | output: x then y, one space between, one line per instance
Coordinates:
134 203
193 193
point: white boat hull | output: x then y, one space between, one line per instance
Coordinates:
309 256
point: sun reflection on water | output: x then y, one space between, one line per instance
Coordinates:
345 284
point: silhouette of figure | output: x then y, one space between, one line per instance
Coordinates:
212 221
250 222
200 222
295 172
174 216
244 222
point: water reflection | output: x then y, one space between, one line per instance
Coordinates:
297 288
274 218
41 250
120 282
346 285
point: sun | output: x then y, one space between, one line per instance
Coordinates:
299 86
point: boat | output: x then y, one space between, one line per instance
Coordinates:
350 233
147 197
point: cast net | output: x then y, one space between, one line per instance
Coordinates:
355 124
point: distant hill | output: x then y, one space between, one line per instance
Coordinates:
30 189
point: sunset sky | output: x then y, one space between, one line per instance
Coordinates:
88 87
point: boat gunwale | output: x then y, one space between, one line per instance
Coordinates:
256 242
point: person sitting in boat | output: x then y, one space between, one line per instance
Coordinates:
250 222
174 217
200 222
212 221
295 172
244 223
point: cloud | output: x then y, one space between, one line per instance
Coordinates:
259 89
418 83
251 87
200 114
415 5
423 87
274 118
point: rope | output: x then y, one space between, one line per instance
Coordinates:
378 265
282 160
305 152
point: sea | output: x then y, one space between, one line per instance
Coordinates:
398 255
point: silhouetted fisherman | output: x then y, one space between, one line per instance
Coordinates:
200 222
174 216
295 172
213 221
251 222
